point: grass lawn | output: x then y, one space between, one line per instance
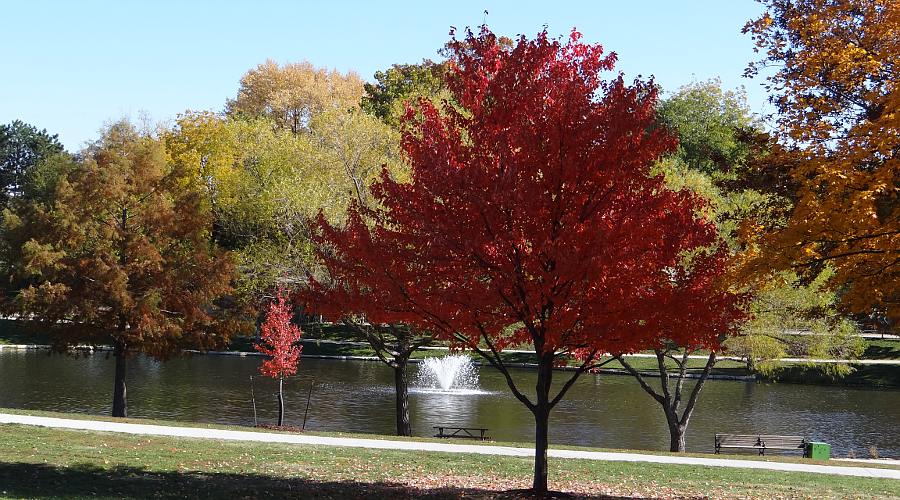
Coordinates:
882 349
750 455
40 462
862 375
15 332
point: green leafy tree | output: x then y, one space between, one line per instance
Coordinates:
122 256
790 318
263 184
23 148
709 121
720 146
37 196
401 84
255 180
721 153
355 147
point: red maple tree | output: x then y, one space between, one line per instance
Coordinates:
531 219
278 340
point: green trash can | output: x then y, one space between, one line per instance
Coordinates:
818 451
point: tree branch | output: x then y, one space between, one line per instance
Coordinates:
634 373
565 388
497 363
695 392
663 374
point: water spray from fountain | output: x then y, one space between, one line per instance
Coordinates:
451 374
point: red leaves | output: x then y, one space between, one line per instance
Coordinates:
531 215
278 339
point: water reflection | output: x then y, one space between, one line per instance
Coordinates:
350 396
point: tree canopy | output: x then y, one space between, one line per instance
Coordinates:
279 341
23 149
720 143
263 184
403 84
530 219
290 95
721 148
836 90
792 318
122 256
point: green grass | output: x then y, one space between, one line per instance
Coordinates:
862 375
41 462
882 349
17 332
790 458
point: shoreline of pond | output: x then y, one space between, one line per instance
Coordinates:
878 369
786 375
358 396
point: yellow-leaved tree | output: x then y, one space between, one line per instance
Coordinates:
263 183
837 91
292 94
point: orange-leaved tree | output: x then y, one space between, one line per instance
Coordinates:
122 256
531 218
278 339
837 91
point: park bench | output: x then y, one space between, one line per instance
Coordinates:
444 431
761 442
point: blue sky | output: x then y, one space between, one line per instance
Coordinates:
70 67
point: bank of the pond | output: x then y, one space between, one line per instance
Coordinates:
879 365
866 373
66 463
358 397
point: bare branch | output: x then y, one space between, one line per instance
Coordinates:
649 390
565 388
682 369
497 362
663 374
695 392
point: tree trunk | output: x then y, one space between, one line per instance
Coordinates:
683 421
402 393
676 438
120 401
541 427
541 424
280 401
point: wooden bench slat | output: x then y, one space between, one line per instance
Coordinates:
761 442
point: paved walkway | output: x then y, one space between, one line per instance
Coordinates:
385 444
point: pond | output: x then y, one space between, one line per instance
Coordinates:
604 410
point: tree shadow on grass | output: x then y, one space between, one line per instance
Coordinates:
882 352
26 480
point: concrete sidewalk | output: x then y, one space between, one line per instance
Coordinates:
384 444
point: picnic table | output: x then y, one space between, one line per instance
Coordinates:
446 431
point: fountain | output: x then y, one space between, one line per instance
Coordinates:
453 374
